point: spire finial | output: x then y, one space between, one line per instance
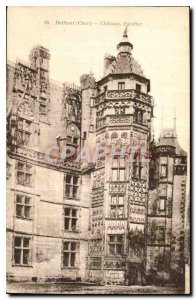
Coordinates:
125 34
125 45
161 118
174 120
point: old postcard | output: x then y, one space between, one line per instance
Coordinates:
98 102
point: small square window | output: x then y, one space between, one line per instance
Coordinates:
162 204
73 256
26 242
84 135
75 180
138 87
114 200
112 238
67 211
17 256
119 249
163 171
66 246
91 128
66 224
121 85
27 212
17 241
115 163
112 249
121 174
66 259
24 173
73 246
43 110
75 140
20 166
91 102
75 191
68 178
114 175
69 139
68 191
74 211
28 168
26 256
121 200
119 238
161 234
20 124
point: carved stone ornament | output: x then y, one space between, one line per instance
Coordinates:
25 110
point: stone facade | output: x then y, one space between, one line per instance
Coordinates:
74 213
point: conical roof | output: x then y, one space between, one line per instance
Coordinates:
168 137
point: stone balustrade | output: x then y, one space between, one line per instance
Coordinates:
40 157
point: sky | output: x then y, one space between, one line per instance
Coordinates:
79 37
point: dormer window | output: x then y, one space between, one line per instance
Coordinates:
72 140
73 135
75 140
121 85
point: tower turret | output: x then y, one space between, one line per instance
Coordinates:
125 45
39 58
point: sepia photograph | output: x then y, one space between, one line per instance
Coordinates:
98 150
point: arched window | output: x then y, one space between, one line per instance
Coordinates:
124 135
114 136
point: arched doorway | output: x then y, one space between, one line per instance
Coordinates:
133 275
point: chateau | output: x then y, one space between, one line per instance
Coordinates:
91 196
